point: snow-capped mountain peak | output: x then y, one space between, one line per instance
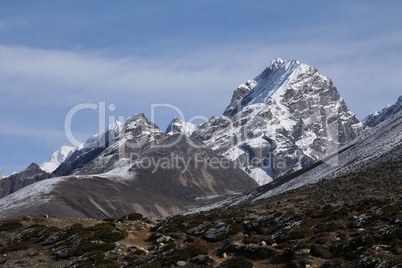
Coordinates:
57 158
177 125
274 80
284 119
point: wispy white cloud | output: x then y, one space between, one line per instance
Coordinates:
23 131
84 76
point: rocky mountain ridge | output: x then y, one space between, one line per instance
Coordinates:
377 117
140 170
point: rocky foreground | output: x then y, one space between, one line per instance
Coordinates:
352 221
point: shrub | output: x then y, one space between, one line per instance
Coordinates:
328 227
94 259
176 223
324 212
152 265
237 262
187 252
358 242
134 217
169 246
391 210
195 249
300 233
106 233
221 231
109 220
14 247
11 226
256 253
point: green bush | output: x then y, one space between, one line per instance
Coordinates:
187 252
134 217
11 226
176 223
152 265
195 249
14 247
391 210
106 233
169 246
84 246
95 259
109 220
256 253
300 233
237 262
328 227
358 242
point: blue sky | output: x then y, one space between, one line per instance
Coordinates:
55 55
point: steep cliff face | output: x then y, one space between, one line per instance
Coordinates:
281 121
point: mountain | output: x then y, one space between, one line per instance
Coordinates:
89 150
141 170
350 221
57 158
282 121
32 174
376 147
179 126
103 138
377 117
345 219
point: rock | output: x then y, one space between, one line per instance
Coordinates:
263 243
235 245
303 251
224 255
179 236
163 239
181 263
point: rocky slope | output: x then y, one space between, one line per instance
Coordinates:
350 221
283 120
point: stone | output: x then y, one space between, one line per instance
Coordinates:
181 263
303 251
